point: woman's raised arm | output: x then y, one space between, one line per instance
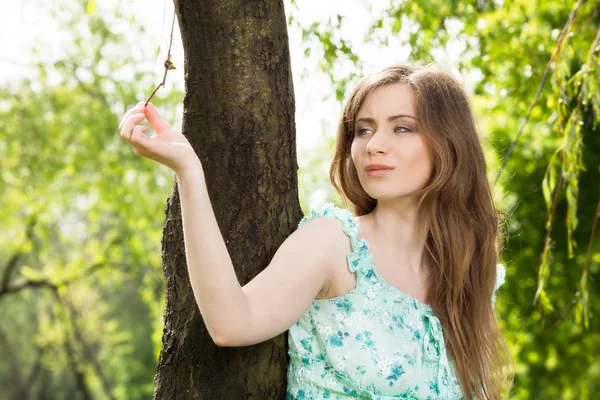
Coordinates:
276 298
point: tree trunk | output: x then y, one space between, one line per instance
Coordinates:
239 116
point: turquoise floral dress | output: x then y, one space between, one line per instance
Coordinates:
374 342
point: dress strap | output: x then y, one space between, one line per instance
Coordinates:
360 258
500 275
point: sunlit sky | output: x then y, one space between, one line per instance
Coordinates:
27 25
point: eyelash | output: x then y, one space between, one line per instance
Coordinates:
407 129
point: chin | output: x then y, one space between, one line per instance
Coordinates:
385 194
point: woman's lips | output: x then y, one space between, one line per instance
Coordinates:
379 172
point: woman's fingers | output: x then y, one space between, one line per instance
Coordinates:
158 124
129 124
139 107
138 138
167 146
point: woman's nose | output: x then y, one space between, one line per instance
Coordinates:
376 144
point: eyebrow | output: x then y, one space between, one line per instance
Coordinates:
392 118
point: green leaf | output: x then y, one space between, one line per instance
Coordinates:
549 181
546 303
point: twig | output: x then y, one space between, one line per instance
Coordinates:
596 215
548 239
48 283
585 270
168 64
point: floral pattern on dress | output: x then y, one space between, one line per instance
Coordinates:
375 342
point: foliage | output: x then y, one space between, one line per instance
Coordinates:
502 51
81 282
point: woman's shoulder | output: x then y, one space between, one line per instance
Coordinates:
334 225
342 215
340 218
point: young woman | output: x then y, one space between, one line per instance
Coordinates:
395 303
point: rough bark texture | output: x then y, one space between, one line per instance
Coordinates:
239 116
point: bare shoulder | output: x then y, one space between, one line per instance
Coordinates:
326 233
327 238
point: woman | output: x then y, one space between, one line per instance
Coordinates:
395 303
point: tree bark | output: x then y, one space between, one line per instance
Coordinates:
239 117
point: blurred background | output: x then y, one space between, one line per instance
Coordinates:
81 282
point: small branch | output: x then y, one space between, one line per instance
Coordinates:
17 287
168 64
589 252
548 233
27 284
585 269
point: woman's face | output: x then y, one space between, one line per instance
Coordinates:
391 158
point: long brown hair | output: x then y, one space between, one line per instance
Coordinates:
457 209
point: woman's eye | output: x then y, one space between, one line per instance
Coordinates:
401 128
361 131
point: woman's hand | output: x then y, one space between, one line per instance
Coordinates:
167 146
